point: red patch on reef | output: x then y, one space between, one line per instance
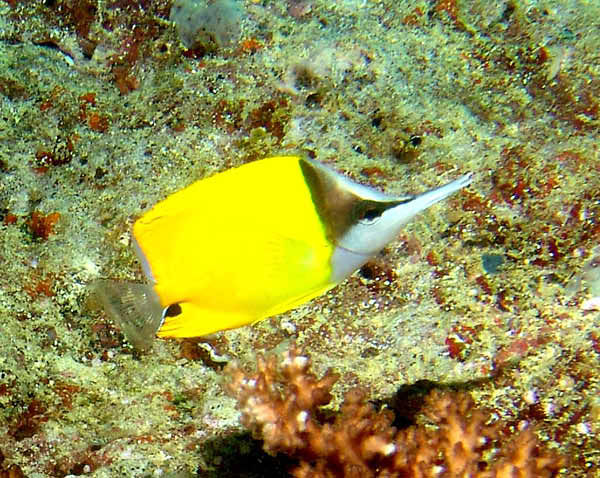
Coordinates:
10 219
413 19
27 423
40 286
124 79
97 122
595 339
372 171
66 392
483 283
130 4
42 226
510 184
250 45
571 160
77 14
454 347
273 115
432 258
474 202
519 348
89 98
459 338
449 7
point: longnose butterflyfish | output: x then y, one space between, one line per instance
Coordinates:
252 242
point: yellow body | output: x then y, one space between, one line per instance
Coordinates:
236 248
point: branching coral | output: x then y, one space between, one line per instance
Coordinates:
281 405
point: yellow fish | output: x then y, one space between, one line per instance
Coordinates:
253 242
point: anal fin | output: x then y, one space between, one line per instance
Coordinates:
194 320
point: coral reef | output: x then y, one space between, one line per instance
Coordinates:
281 404
104 112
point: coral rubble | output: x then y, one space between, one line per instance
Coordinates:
281 404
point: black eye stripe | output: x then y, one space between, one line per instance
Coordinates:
368 211
371 214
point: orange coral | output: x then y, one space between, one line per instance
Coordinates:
281 405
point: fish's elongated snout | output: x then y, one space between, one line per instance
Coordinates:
424 200
367 237
399 215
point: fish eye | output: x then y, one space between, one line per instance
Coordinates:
370 215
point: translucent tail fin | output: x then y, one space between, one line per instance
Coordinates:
135 308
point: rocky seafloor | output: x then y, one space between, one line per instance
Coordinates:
107 106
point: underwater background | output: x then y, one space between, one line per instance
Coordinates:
108 106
